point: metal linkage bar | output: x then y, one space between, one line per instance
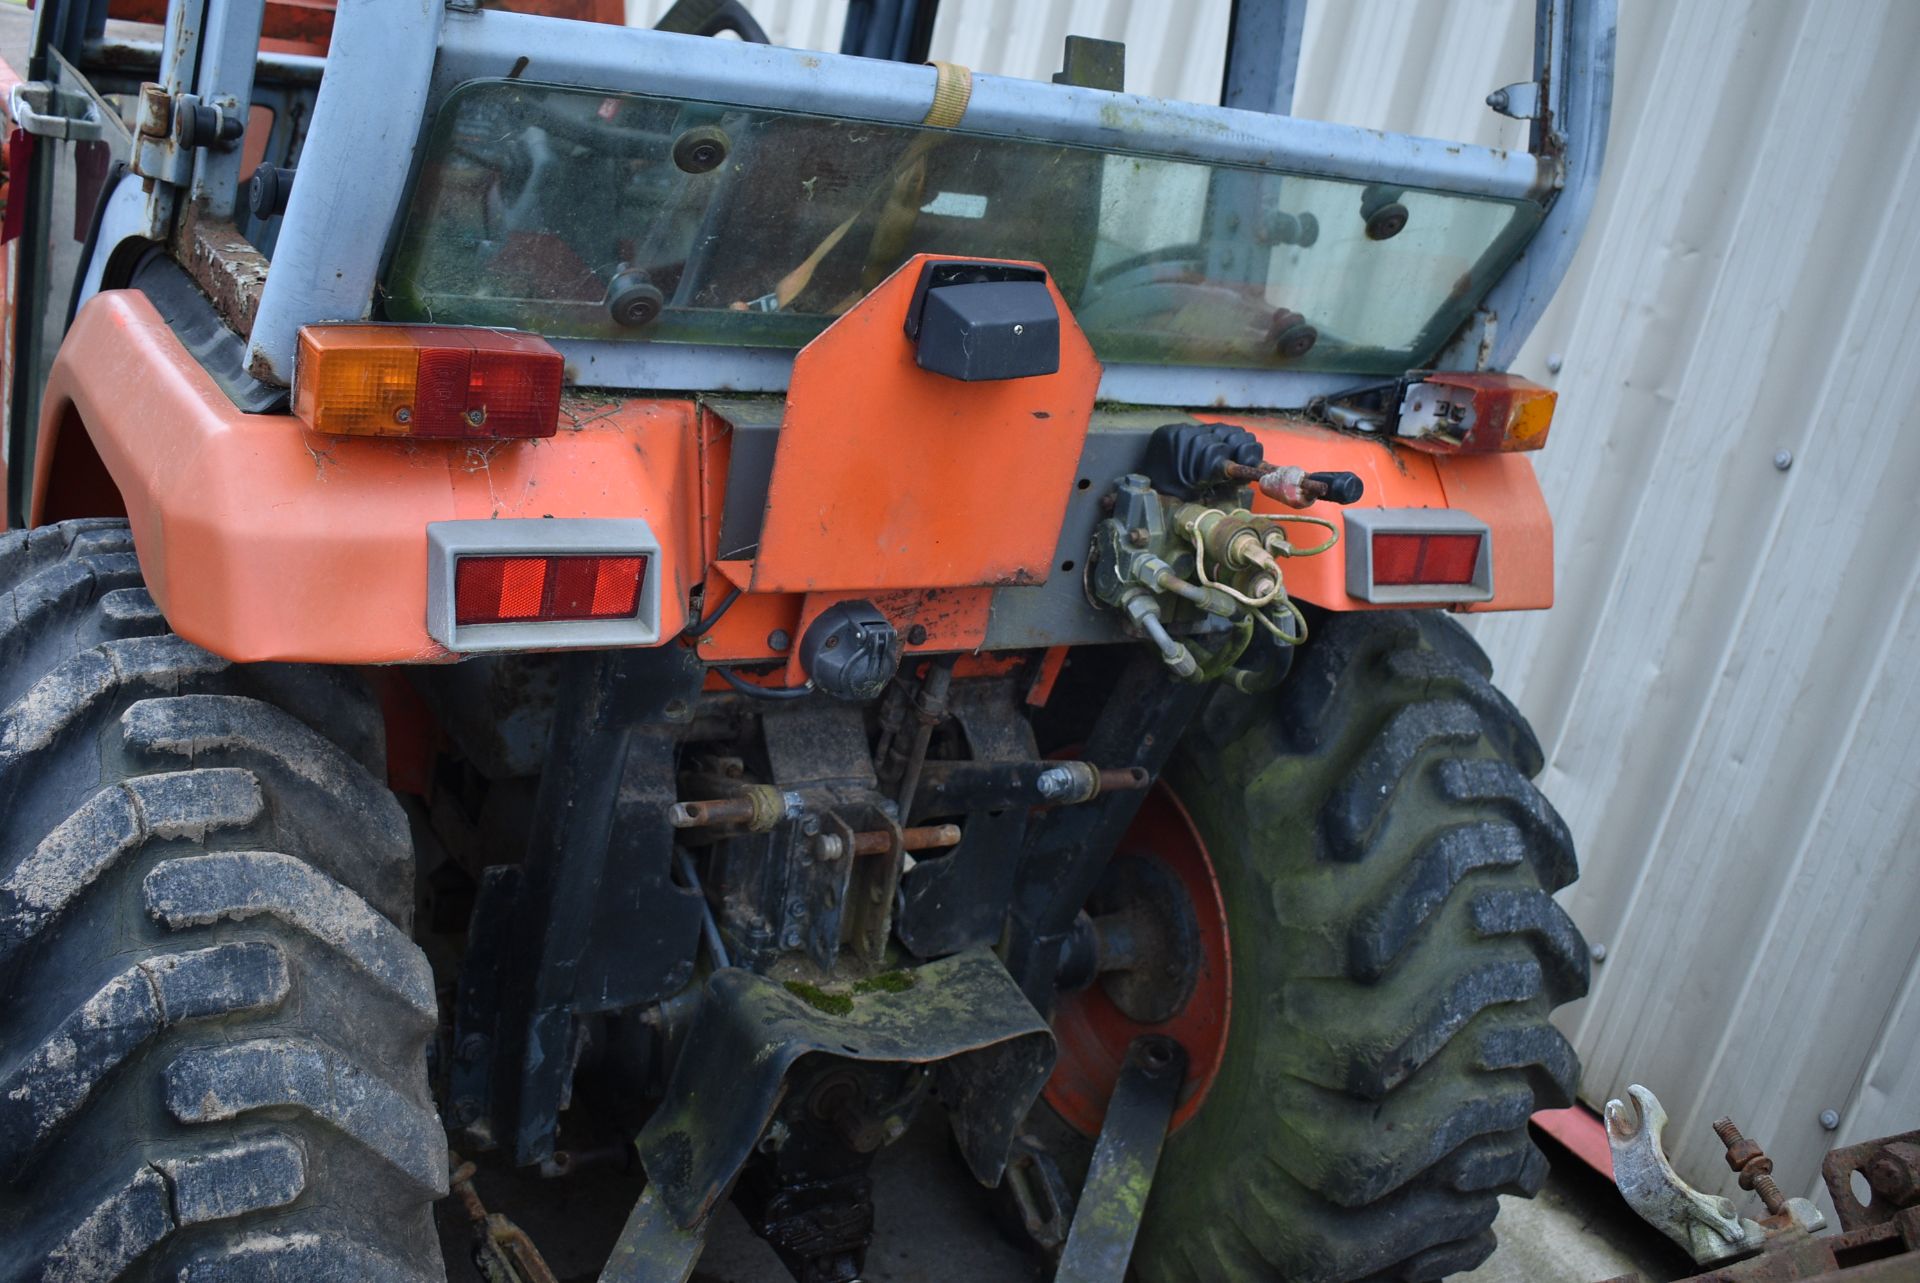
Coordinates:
229 48
488 44
1115 1196
1263 55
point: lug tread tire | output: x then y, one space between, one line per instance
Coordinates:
213 1047
1388 867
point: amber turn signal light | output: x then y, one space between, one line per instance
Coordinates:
428 381
1448 412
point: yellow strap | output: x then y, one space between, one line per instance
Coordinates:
951 90
799 278
952 87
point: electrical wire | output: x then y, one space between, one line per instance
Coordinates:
1333 533
699 627
752 691
1296 639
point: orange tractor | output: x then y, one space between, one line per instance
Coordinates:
609 591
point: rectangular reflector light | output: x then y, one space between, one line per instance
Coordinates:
546 589
427 381
1417 556
1425 559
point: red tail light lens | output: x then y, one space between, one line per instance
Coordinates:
525 590
1407 559
431 381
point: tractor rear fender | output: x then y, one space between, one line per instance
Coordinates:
1499 489
263 541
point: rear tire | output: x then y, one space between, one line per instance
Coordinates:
213 1036
1387 870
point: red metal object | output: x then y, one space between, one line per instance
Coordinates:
302 26
1582 1132
19 161
1094 1034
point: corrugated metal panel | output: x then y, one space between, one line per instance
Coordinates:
1174 50
1727 690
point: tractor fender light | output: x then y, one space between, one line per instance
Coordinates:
1450 412
542 584
1418 555
444 382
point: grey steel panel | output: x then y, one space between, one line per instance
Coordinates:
607 363
354 169
492 43
1220 387
124 219
756 433
1574 56
1263 55
601 363
1058 612
229 48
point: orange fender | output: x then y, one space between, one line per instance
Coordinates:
261 540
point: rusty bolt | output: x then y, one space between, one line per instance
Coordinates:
1138 536
1894 1174
879 841
1754 1167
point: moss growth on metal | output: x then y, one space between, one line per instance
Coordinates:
834 1004
885 982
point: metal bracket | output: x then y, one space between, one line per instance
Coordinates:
1706 1225
990 1050
1115 1196
47 112
1522 101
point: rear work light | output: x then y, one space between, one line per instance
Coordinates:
426 381
1423 555
542 583
1449 412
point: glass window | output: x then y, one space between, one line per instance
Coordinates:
616 216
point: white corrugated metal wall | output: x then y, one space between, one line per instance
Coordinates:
1727 689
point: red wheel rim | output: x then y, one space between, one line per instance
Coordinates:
1094 1034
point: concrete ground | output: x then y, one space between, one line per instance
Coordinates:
934 1225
